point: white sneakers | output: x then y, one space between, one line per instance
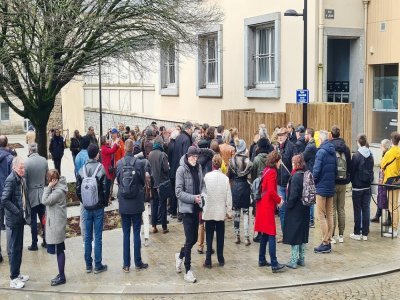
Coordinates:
364 238
333 240
19 282
337 239
178 263
189 277
356 237
341 239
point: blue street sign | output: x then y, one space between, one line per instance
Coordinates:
302 96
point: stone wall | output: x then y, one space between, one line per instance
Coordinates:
111 119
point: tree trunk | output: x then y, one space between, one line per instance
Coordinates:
41 136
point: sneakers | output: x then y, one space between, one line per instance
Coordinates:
264 264
364 238
247 242
33 248
189 277
100 269
356 237
389 234
58 280
126 269
178 263
23 278
143 266
278 268
89 269
292 265
333 240
323 248
16 283
341 239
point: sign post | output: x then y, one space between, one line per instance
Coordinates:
302 96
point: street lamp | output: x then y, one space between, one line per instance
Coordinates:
293 13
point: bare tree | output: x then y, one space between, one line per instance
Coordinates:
45 43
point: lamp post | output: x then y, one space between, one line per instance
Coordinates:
100 102
293 13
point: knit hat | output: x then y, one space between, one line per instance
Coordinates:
93 150
241 147
263 143
192 151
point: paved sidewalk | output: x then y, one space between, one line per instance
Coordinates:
352 259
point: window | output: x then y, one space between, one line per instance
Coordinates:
384 101
209 63
169 71
262 56
5 112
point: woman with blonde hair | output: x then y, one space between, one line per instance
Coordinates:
226 150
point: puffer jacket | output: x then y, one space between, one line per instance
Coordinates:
287 151
325 170
11 200
300 145
55 200
390 163
101 177
340 146
184 187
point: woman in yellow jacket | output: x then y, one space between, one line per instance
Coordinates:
390 165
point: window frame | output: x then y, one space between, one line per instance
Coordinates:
252 88
166 87
1 108
204 88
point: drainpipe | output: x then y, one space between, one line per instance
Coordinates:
320 51
366 69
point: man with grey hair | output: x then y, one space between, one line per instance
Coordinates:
6 159
17 213
324 176
36 168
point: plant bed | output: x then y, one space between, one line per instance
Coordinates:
72 198
112 220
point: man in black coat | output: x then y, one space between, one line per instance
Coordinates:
287 150
17 210
342 152
301 142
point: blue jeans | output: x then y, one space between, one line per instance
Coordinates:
282 210
265 238
312 213
94 222
127 222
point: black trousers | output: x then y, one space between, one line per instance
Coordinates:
158 210
38 210
191 229
361 208
16 242
218 227
173 201
57 164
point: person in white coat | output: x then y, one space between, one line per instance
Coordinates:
217 206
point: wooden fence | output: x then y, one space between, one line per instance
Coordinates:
320 116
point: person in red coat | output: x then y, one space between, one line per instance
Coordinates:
265 212
107 157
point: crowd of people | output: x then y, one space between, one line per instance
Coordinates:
202 176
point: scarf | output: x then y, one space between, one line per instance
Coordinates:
158 146
295 170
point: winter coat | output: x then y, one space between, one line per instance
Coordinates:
148 145
292 137
309 154
239 169
287 151
205 159
159 166
340 146
218 197
5 166
182 143
134 205
390 163
184 187
56 147
107 159
91 166
297 217
300 145
75 145
81 159
55 200
259 164
171 149
362 161
325 170
36 168
265 207
12 202
227 152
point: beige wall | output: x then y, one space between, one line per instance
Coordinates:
189 106
72 106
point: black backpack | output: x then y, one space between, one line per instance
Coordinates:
131 181
366 173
